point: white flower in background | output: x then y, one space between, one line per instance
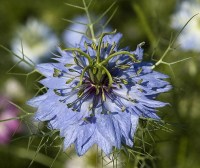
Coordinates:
75 31
89 160
190 37
35 40
13 89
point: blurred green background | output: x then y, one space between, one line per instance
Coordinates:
174 145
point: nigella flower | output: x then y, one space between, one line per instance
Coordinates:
97 92
33 41
190 38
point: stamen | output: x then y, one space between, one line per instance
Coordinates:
56 72
139 71
103 95
100 42
110 81
119 53
123 108
112 48
80 52
82 75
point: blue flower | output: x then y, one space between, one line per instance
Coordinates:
97 92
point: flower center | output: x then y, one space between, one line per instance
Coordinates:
96 68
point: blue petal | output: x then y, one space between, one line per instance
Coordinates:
67 57
55 83
110 105
164 89
142 111
47 110
111 39
123 121
134 124
47 69
103 143
85 138
70 136
36 101
83 40
139 52
106 128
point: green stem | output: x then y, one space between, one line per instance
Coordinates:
100 42
90 25
81 52
172 43
116 54
21 58
145 24
163 56
82 74
110 81
17 118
